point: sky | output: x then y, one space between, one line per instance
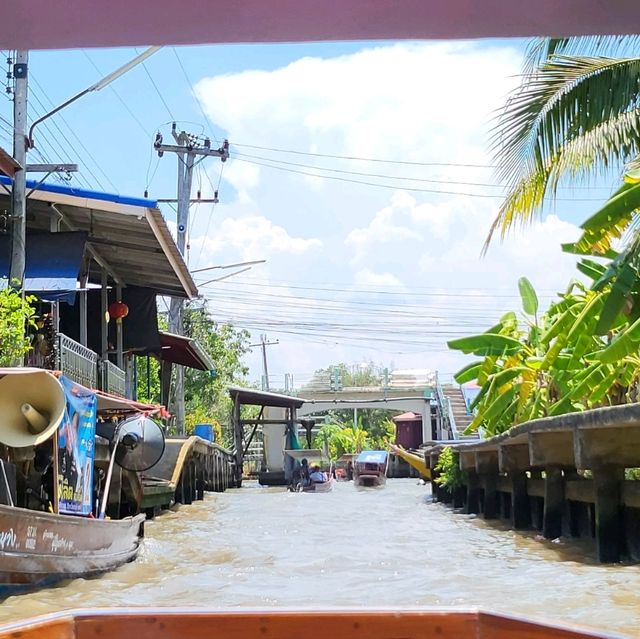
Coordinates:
361 172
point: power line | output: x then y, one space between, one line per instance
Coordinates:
155 86
397 187
115 92
77 138
396 177
363 159
193 92
216 192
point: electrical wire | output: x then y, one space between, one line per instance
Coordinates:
155 86
193 92
212 209
397 187
395 177
120 99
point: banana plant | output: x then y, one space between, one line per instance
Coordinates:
560 364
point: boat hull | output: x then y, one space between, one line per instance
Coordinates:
38 549
370 481
170 624
324 487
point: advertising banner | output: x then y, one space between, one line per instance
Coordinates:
76 448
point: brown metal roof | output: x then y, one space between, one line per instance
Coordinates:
43 24
254 397
132 242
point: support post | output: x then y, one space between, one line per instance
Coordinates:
119 340
18 193
104 324
473 493
490 501
607 482
83 305
553 503
520 512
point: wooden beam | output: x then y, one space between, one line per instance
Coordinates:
553 503
609 524
467 460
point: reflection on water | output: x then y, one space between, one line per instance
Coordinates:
258 547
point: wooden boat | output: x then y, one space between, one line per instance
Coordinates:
370 469
53 461
307 458
194 623
38 548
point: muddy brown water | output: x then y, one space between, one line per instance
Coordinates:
265 548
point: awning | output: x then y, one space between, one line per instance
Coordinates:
52 263
127 236
252 397
42 24
184 351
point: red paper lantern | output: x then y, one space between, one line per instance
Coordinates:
118 310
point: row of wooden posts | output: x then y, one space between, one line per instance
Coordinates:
563 476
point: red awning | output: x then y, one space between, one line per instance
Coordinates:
185 351
43 24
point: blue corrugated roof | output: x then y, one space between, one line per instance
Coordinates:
86 193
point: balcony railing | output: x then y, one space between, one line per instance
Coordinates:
112 379
76 361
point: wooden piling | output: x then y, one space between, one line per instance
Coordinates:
553 503
608 513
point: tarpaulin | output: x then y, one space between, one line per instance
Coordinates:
52 264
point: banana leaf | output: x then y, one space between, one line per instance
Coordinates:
625 281
528 296
469 373
625 343
486 344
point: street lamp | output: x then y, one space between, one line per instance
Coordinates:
108 79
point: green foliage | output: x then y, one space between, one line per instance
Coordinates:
148 376
573 113
562 364
201 416
338 440
206 391
448 466
16 315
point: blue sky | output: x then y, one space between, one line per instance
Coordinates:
355 272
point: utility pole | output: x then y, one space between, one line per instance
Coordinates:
19 192
190 152
265 371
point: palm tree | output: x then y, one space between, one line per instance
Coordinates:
573 114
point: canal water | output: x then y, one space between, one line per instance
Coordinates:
263 547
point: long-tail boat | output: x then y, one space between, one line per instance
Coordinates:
56 477
197 624
370 469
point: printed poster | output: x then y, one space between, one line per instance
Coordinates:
76 449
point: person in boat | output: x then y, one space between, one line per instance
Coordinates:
350 471
317 476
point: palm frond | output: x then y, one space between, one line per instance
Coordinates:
602 145
542 49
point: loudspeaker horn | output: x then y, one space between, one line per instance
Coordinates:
32 405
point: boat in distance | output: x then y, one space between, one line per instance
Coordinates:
370 469
198 623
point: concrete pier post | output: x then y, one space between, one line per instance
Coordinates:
553 503
609 538
520 511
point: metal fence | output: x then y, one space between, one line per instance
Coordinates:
112 379
76 361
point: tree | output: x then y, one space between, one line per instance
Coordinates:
577 110
16 315
206 391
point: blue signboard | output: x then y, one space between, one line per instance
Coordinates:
76 448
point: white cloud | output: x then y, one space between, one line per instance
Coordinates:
408 102
366 277
253 237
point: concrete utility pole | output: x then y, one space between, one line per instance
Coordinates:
265 371
19 192
190 153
